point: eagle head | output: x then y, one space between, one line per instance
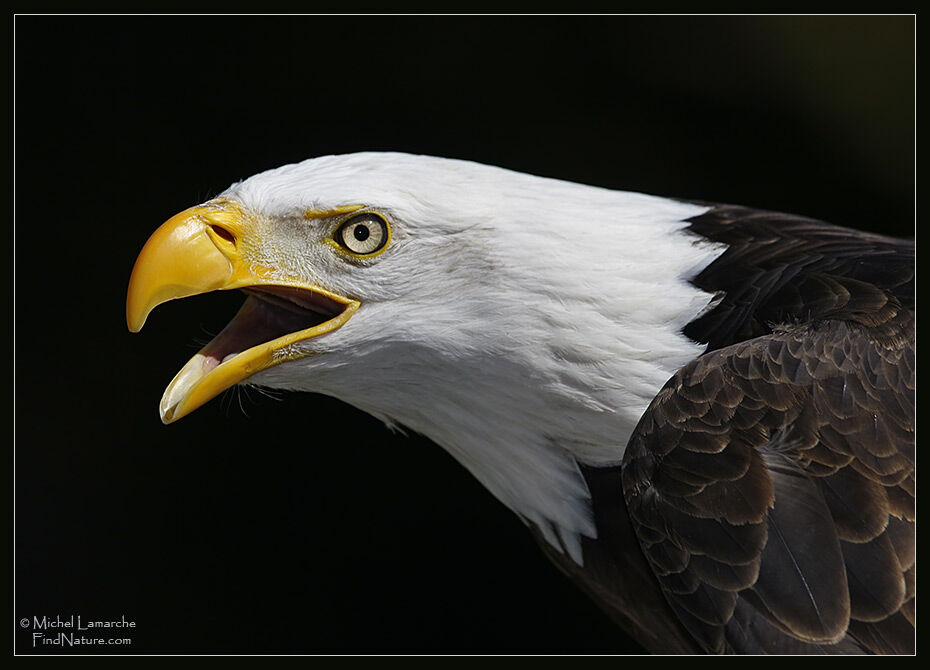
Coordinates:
522 323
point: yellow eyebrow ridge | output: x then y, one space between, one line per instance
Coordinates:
335 211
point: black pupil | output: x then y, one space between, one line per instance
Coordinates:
361 232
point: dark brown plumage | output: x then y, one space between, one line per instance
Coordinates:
770 484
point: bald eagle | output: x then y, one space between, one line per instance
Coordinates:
704 413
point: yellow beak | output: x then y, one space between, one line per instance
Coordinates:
201 250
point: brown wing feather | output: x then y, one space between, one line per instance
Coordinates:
771 486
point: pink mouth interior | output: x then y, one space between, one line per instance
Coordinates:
269 312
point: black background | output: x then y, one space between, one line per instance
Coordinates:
306 526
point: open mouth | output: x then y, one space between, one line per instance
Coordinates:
201 250
269 313
272 318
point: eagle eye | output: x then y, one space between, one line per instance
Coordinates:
363 234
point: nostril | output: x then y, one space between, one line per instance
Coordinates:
224 233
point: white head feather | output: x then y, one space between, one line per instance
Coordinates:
522 323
